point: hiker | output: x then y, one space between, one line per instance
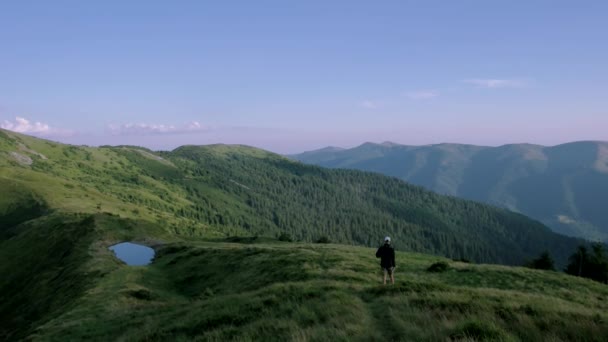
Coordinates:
386 253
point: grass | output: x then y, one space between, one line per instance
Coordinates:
42 270
263 289
77 179
18 204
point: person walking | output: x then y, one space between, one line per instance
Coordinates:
386 253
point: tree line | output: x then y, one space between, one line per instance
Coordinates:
584 262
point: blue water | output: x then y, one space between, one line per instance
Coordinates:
133 254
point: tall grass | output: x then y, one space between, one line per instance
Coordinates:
218 291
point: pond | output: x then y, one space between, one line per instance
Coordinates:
133 254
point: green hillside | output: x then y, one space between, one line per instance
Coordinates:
223 190
213 214
62 283
564 186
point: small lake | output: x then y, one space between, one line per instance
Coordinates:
133 254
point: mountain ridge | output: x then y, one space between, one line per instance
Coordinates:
499 175
391 144
221 189
218 217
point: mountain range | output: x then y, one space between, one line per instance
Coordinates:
220 217
223 190
563 186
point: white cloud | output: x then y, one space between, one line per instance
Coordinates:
496 83
21 125
370 104
422 94
153 129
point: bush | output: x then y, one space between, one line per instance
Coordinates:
142 294
543 262
440 266
323 239
285 237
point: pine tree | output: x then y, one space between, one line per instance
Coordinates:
543 262
593 266
578 261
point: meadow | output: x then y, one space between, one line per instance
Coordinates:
259 288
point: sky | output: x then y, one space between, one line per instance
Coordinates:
290 76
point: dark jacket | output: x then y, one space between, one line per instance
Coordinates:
386 253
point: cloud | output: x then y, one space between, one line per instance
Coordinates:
422 94
22 125
370 104
496 83
154 129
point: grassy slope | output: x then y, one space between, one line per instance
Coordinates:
76 179
18 204
283 291
47 263
60 282
41 271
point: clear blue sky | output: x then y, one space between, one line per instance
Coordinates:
290 76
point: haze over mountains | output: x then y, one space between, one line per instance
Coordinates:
563 186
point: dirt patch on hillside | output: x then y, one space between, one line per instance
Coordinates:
26 149
22 159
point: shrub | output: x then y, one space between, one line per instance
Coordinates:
142 294
543 262
323 239
440 266
285 237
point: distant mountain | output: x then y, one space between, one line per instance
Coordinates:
564 186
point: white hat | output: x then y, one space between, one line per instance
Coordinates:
387 239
